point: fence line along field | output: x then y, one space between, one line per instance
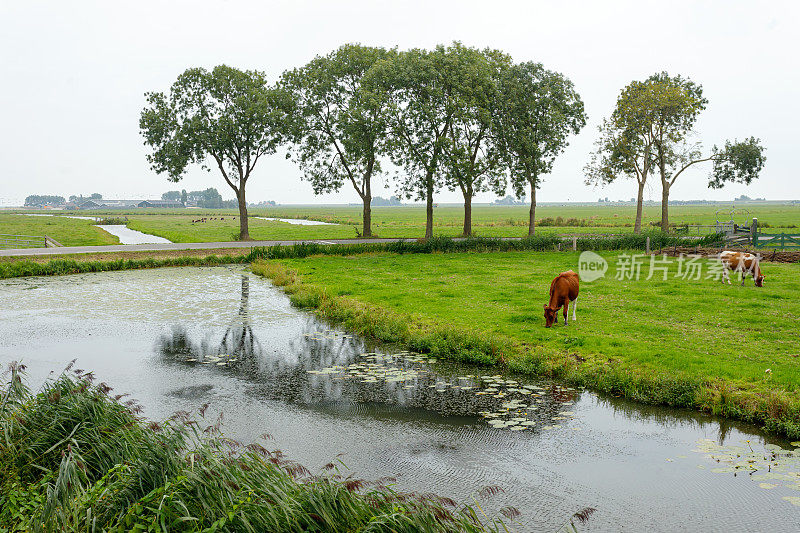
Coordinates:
212 225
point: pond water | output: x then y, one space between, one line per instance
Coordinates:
178 338
299 221
131 236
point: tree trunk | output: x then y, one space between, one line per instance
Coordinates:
664 206
637 226
367 219
532 217
429 206
366 225
468 214
244 232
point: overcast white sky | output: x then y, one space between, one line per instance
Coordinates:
74 74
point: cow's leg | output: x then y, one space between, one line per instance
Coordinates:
726 276
566 312
574 308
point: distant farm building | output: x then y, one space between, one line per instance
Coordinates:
89 204
159 203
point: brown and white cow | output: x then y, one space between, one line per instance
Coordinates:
563 291
741 262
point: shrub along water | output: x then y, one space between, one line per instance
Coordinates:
72 457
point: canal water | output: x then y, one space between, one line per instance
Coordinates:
299 221
176 339
127 235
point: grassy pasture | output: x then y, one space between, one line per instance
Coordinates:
732 344
407 221
67 231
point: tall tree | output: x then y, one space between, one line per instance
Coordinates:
418 86
471 160
675 104
677 107
538 110
627 141
342 127
226 118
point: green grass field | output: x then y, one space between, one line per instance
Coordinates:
408 221
701 327
724 339
67 231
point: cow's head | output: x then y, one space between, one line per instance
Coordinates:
759 280
549 316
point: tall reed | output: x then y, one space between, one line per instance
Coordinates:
74 457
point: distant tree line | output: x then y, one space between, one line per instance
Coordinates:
453 117
44 199
382 202
58 201
209 198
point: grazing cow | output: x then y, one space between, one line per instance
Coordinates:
563 291
741 262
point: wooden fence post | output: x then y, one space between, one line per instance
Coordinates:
574 244
647 246
754 232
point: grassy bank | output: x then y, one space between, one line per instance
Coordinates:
67 231
724 349
12 267
74 458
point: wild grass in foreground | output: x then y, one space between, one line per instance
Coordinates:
699 344
18 268
73 457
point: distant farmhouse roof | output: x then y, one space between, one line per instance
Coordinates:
89 204
121 203
159 203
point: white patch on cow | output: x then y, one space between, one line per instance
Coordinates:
574 308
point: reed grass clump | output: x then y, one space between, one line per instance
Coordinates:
74 457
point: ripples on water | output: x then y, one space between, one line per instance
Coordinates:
179 338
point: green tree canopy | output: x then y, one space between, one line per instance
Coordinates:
226 118
471 162
418 86
537 111
342 127
737 162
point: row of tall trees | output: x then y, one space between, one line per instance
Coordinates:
650 131
452 117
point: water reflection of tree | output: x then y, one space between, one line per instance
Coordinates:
239 342
671 417
284 374
239 338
